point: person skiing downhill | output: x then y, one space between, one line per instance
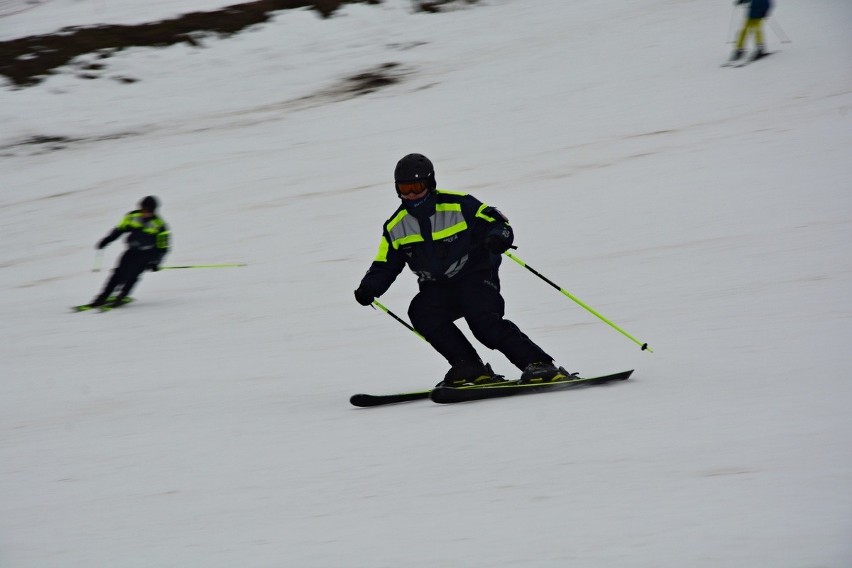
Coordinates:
454 244
757 11
147 244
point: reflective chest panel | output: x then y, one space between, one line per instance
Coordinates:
145 233
445 222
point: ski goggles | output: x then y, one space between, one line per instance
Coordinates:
410 188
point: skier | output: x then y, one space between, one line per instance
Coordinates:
147 244
454 243
757 11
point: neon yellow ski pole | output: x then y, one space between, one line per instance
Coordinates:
378 304
582 304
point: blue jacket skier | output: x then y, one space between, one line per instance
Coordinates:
757 11
454 243
147 244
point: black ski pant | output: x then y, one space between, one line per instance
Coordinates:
476 298
130 267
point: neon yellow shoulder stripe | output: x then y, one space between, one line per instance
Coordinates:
481 215
382 255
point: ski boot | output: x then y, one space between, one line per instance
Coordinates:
470 373
98 302
544 372
758 53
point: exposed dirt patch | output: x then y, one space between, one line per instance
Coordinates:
435 6
370 81
29 60
42 144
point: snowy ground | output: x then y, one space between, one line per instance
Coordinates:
705 210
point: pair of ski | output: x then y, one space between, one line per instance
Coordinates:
448 395
109 305
737 64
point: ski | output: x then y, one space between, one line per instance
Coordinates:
736 63
110 304
444 395
368 400
753 59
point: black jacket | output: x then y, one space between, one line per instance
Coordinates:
150 234
441 240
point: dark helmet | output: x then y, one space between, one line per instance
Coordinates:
149 203
415 167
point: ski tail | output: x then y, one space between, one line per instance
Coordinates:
369 400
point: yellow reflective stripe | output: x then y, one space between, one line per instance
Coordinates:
407 240
395 221
458 228
156 227
447 221
482 215
404 229
448 192
163 240
126 221
135 221
382 255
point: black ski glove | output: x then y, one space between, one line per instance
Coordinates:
102 243
497 244
153 265
364 297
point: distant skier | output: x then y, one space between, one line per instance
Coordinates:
454 243
147 244
757 11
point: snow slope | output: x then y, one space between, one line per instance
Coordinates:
705 210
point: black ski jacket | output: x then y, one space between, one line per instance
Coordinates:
143 234
441 240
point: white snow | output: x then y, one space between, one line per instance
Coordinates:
706 211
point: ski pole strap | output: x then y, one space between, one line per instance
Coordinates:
378 304
582 304
227 265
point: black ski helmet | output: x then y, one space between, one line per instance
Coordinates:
415 167
149 203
